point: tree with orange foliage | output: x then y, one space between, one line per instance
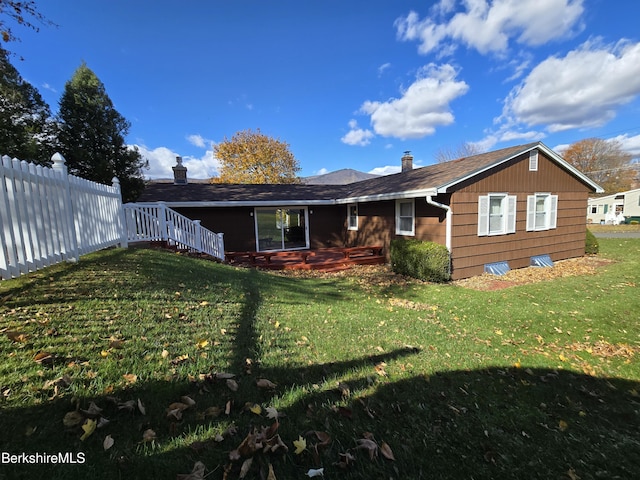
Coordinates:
604 162
252 157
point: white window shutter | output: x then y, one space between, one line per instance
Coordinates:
553 211
483 215
511 213
531 212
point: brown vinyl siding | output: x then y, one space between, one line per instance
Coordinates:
236 223
471 252
377 224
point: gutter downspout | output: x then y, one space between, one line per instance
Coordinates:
447 208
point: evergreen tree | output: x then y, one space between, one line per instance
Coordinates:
27 130
92 135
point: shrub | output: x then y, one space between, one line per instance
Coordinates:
591 245
422 260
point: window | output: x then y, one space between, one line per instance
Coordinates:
352 214
542 211
594 209
496 214
533 161
405 217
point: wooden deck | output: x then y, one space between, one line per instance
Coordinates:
325 259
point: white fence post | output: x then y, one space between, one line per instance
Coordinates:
66 210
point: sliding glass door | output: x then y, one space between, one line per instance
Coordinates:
281 228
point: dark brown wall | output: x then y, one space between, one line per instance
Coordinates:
237 224
377 224
326 226
470 252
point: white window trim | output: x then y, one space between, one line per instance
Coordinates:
349 226
399 231
508 206
551 212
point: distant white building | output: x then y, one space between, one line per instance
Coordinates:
614 209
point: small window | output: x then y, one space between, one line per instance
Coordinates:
405 224
542 211
496 214
352 214
533 161
594 209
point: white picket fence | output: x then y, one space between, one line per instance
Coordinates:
149 222
48 216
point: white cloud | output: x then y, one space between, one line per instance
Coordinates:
161 160
582 89
382 68
629 144
322 171
357 136
198 140
423 106
488 26
387 170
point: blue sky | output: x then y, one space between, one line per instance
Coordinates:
348 84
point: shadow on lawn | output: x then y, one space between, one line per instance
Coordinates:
493 423
490 423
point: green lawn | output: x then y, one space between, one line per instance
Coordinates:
537 381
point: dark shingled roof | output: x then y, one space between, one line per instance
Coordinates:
436 176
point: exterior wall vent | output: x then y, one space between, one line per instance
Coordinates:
498 268
541 261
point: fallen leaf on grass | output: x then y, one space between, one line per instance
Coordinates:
43 358
180 359
562 425
368 445
129 405
386 451
313 472
187 400
72 419
196 474
130 377
300 444
255 408
148 435
264 383
271 475
16 337
89 426
93 410
232 385
246 465
202 344
108 442
141 407
272 413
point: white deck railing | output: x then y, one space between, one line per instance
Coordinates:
149 222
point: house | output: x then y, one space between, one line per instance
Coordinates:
614 208
507 206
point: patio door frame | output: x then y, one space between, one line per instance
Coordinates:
282 226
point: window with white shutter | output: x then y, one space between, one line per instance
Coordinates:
496 214
542 211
